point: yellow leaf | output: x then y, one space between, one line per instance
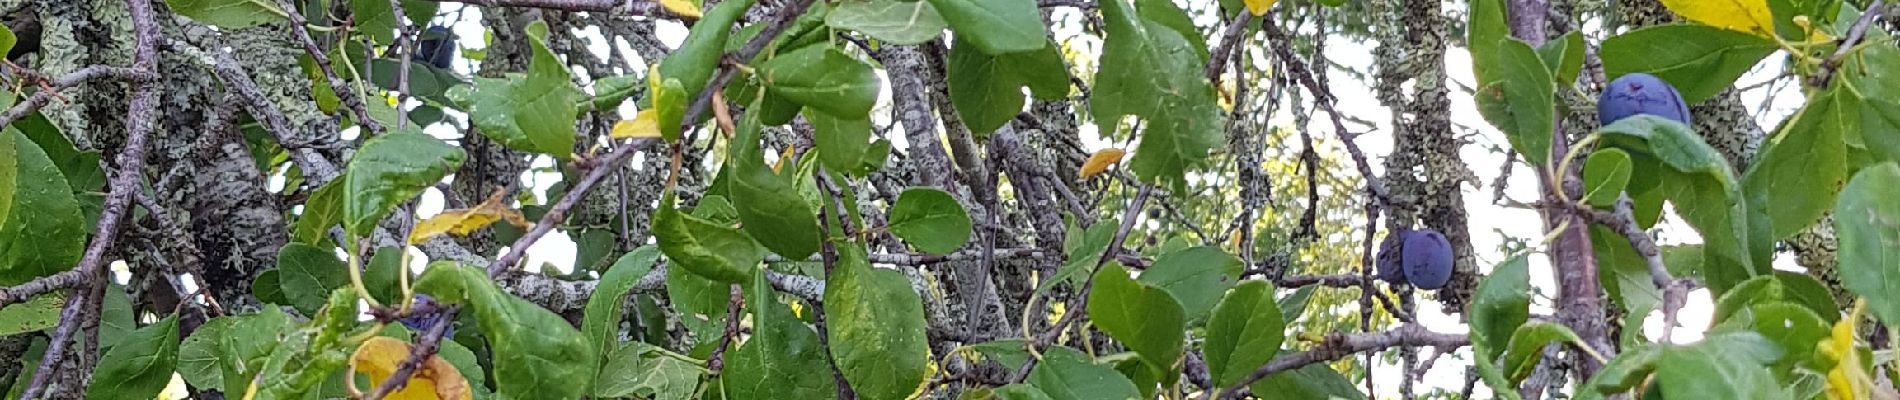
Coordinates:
782 156
684 8
1101 160
379 357
461 222
1750 16
1846 381
1259 7
646 124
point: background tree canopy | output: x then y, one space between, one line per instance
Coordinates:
949 199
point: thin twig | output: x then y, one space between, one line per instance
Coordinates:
425 347
337 85
717 361
1854 36
1336 346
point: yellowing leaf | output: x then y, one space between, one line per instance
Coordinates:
461 222
1101 160
1846 381
782 156
436 379
1259 7
646 124
1750 16
684 8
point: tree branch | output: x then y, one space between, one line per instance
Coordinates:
1336 346
40 98
142 115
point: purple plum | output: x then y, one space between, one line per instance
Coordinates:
437 47
1426 258
1640 93
425 313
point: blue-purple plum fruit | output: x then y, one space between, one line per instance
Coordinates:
437 47
1390 270
424 314
1426 257
1640 93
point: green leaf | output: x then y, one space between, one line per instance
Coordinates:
1144 317
322 210
1627 370
1485 31
1042 70
1196 276
115 316
308 273
894 22
987 95
1011 353
930 220
600 321
303 358
1605 175
537 352
1880 127
81 168
381 275
1244 333
1798 173
1294 304
534 112
139 367
1867 222
649 372
7 39
425 81
1622 272
1500 304
389 170
245 343
1783 286
1146 72
876 325
1793 328
995 26
229 14
1723 367
35 314
43 233
823 78
1515 94
841 142
198 355
267 289
700 302
1564 56
1527 347
1694 173
769 205
1083 248
698 56
782 359
1067 374
704 248
374 18
1699 60
610 92
1020 391
1312 382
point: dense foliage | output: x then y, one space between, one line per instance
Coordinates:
982 199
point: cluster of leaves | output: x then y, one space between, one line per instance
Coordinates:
1776 334
1834 155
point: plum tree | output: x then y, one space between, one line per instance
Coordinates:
1426 257
1640 93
